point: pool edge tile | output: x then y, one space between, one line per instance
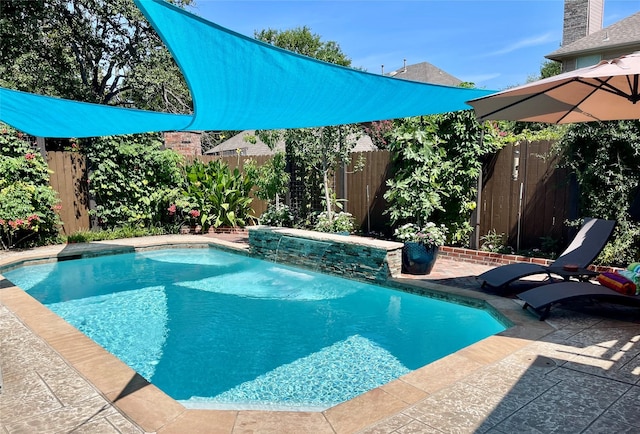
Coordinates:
363 410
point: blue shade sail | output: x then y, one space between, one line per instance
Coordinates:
239 83
45 116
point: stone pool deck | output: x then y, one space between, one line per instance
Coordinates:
577 372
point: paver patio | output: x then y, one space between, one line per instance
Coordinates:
577 372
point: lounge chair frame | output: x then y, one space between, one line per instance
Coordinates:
542 298
583 249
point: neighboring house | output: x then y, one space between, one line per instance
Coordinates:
426 73
238 144
614 41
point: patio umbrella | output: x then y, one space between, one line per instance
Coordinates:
609 90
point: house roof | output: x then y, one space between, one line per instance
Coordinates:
624 33
425 72
231 146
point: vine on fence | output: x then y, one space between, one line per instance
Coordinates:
27 201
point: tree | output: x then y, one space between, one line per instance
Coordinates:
300 40
100 51
437 160
314 151
549 68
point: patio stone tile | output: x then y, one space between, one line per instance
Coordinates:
123 425
198 421
507 378
416 427
568 407
460 409
25 396
404 391
249 422
63 419
363 411
569 319
606 424
391 424
67 385
147 405
627 408
441 373
97 426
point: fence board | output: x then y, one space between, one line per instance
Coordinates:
546 200
69 180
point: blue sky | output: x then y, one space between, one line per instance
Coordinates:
493 43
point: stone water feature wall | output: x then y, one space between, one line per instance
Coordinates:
347 256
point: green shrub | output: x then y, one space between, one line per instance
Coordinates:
340 222
27 201
277 216
87 236
215 196
605 157
132 180
436 163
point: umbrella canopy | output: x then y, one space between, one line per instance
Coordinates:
609 90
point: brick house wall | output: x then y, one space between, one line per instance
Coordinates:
187 143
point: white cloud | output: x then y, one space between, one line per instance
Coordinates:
523 43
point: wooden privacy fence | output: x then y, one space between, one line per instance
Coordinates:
525 196
69 179
526 204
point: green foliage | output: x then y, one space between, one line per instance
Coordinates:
271 179
132 180
437 160
495 243
27 201
605 158
89 50
317 152
549 68
300 40
277 216
430 234
341 222
217 196
113 234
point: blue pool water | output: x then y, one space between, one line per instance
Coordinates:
215 329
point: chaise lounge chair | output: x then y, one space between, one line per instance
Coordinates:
541 299
573 262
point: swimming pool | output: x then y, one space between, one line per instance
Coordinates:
214 329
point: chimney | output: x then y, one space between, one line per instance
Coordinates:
581 18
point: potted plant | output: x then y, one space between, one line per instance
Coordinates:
421 246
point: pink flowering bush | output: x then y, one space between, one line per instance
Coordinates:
28 204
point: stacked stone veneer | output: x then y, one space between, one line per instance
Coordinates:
348 256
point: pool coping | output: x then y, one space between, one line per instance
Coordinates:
154 411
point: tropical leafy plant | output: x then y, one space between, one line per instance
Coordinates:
219 196
27 201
